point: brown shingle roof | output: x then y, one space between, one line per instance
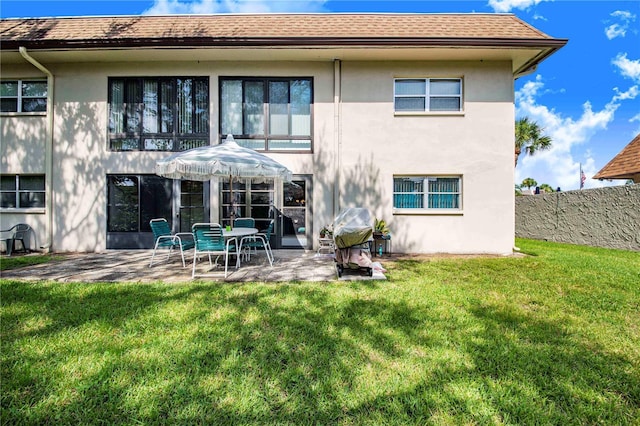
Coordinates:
485 29
625 165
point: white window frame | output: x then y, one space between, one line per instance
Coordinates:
19 97
428 96
425 209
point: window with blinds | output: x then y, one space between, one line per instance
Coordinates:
158 114
427 94
427 192
267 114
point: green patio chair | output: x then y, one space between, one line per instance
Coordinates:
210 240
244 222
259 241
165 239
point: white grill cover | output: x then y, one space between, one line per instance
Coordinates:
353 226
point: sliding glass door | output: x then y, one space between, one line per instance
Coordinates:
294 229
133 200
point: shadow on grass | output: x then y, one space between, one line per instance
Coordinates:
293 354
565 375
518 370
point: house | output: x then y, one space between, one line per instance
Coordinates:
625 165
408 115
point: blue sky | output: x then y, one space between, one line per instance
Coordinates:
586 96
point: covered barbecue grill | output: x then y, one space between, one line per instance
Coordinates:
352 233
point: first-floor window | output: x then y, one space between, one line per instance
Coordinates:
22 191
427 192
133 200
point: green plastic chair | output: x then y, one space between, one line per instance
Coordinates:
209 240
165 239
259 241
244 222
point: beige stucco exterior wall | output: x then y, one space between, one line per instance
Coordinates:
81 159
22 151
376 145
81 147
361 144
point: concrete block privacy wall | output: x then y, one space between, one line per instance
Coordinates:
602 217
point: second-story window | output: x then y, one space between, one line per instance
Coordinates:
268 114
158 114
23 96
427 94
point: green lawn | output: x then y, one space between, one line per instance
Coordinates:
22 261
550 338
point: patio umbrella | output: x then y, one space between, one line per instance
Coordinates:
226 160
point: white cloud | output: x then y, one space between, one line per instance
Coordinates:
628 68
558 166
625 15
199 7
632 93
537 17
620 29
615 30
505 6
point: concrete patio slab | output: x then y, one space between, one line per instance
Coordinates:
133 266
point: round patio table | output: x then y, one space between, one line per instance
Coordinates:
238 233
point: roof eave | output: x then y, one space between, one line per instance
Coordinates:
617 176
549 45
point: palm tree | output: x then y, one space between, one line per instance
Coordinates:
529 182
529 138
545 187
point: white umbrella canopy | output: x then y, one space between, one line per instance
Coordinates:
226 160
